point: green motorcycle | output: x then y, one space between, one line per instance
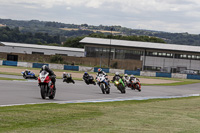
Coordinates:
120 85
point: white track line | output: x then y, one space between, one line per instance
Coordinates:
106 100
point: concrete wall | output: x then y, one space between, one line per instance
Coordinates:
24 64
1 61
116 70
86 69
180 76
148 74
56 66
68 60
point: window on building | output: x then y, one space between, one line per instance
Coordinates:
62 54
42 53
12 57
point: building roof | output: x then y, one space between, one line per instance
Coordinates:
41 46
137 44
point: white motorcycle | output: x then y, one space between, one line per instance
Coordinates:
103 84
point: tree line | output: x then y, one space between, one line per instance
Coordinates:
53 29
14 35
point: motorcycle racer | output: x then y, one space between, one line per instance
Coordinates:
51 74
117 75
126 79
67 77
100 71
85 76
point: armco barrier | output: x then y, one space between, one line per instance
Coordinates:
106 70
129 72
168 75
191 76
56 66
24 64
38 65
9 63
86 69
74 68
1 62
116 70
148 74
178 75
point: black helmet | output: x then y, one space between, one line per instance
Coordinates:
85 73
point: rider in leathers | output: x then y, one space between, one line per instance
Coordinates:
117 75
132 77
126 79
106 76
85 76
51 74
67 77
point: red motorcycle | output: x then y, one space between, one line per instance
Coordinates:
135 84
47 88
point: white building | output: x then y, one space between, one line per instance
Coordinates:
154 56
7 47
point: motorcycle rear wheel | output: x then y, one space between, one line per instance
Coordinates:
108 91
53 95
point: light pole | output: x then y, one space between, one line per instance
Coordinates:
110 47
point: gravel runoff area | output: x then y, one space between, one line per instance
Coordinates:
79 75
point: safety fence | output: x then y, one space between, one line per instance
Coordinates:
95 69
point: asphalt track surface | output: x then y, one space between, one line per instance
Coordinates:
28 92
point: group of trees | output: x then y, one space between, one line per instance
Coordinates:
14 35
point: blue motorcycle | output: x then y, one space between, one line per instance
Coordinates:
29 75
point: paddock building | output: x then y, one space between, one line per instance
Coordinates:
154 56
20 48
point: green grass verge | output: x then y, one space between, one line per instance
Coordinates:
181 82
2 78
149 116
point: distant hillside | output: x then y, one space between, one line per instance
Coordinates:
72 30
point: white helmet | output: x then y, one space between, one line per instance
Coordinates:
126 75
117 73
132 75
44 67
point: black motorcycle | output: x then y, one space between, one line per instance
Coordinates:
90 80
68 79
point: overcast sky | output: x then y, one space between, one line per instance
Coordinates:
161 15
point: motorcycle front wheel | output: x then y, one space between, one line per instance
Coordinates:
138 87
102 88
42 91
121 88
